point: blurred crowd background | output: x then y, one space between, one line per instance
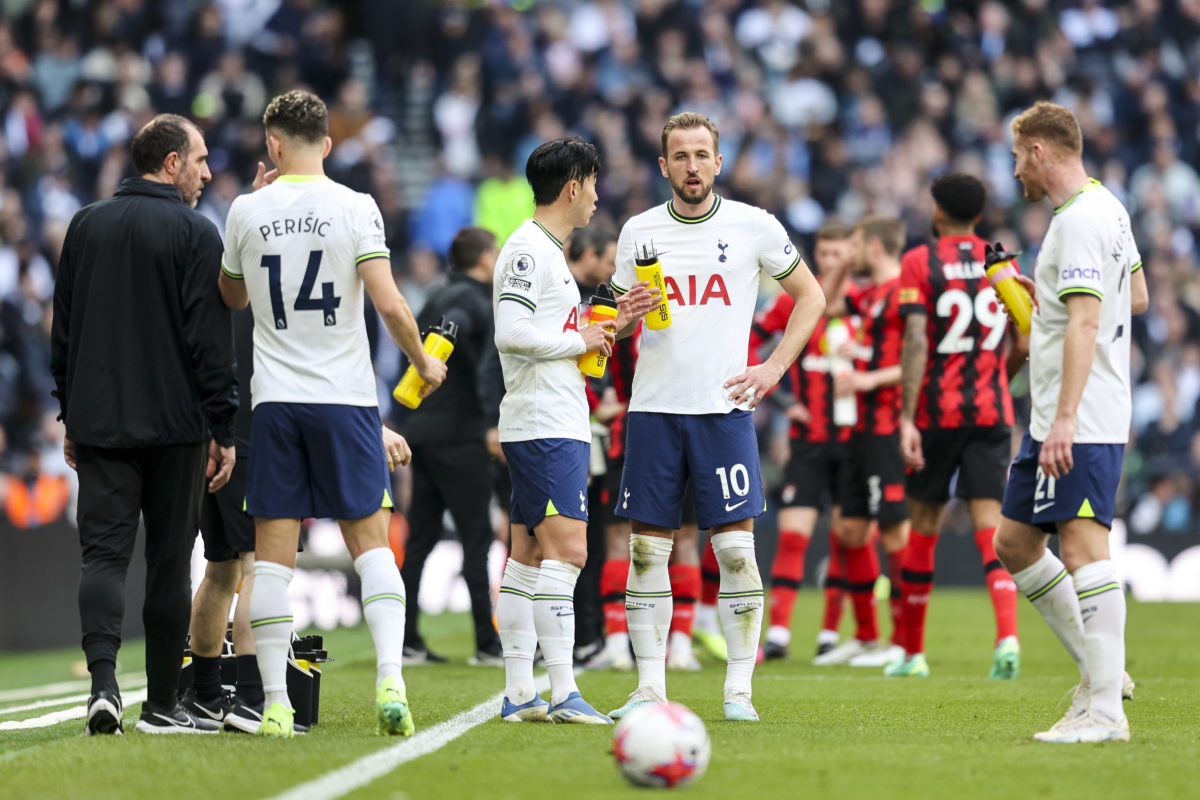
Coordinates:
828 110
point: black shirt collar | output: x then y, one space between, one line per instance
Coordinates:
167 191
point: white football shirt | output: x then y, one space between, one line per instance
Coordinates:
711 269
297 244
544 396
1088 248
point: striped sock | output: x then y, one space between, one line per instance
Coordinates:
740 605
554 621
835 585
1052 591
514 622
383 605
1001 587
787 573
271 624
862 570
613 577
916 584
648 606
1102 607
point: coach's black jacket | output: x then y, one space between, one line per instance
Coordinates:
461 409
142 346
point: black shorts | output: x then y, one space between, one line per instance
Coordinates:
979 455
227 529
872 479
810 479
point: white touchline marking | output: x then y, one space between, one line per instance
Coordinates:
369 768
65 687
55 717
58 701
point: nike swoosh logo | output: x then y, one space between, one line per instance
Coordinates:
744 609
1039 509
175 722
735 505
213 715
567 614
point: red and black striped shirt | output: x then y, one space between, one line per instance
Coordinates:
880 333
810 376
966 380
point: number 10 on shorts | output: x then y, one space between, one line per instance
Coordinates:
737 477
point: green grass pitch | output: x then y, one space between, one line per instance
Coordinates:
826 733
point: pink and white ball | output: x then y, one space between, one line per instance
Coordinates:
662 745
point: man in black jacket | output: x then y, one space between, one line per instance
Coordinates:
142 358
450 463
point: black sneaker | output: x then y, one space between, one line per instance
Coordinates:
104 713
773 651
245 718
586 652
215 710
176 720
415 656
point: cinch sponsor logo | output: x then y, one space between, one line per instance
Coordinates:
1081 273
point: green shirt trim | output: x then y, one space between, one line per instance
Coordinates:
1089 186
1080 290
553 238
230 274
693 220
302 178
369 256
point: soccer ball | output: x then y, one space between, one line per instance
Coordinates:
660 744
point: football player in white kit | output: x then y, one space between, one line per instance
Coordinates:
300 251
545 430
689 413
1064 479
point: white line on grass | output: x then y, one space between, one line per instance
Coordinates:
58 701
65 687
369 768
55 717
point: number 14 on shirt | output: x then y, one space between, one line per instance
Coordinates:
327 303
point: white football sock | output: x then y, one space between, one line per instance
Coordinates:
383 607
518 637
740 606
554 621
1049 587
648 607
706 619
271 624
1102 606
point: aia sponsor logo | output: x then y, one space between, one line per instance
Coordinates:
714 291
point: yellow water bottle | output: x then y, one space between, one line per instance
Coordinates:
439 343
649 268
1002 273
604 308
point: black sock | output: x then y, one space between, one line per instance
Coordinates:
104 675
207 678
249 681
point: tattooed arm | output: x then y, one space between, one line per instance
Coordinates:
914 355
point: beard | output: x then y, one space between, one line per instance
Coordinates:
1033 192
692 196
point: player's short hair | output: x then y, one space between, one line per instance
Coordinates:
556 163
833 232
158 138
469 244
960 196
596 236
298 115
888 230
1053 124
685 120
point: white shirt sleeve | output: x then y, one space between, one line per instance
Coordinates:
517 335
371 241
231 260
626 271
1081 257
776 253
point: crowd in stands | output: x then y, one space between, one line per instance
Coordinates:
827 110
